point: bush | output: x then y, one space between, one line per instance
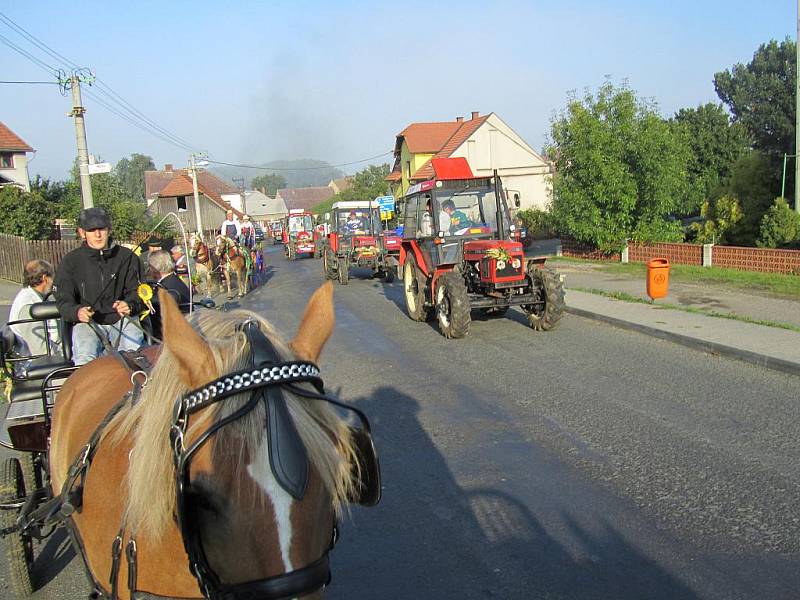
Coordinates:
780 226
540 223
719 218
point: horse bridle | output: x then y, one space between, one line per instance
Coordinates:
266 377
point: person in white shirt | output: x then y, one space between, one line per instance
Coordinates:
31 337
231 228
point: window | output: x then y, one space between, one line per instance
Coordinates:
181 202
6 160
408 169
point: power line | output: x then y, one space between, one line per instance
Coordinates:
102 87
262 168
28 55
31 82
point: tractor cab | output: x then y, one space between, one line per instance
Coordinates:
459 254
356 240
299 235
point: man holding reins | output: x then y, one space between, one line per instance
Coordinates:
96 288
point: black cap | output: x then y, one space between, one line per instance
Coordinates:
94 218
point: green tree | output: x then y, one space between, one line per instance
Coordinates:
715 144
719 217
127 215
761 96
271 182
27 214
621 169
130 174
751 183
368 184
780 226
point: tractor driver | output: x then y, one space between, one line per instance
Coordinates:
354 223
455 219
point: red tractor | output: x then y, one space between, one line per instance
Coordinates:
299 235
458 255
356 240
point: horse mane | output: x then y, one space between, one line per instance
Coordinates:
150 480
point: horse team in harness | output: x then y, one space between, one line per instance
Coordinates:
213 465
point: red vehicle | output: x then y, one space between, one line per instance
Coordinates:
299 235
356 240
276 231
458 255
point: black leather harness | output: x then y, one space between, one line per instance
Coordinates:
266 377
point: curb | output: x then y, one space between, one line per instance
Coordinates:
762 360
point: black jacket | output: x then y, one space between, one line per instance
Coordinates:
83 276
179 290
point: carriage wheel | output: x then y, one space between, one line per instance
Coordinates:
19 547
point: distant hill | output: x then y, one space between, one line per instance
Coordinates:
311 172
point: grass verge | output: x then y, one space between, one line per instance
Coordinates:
625 297
773 283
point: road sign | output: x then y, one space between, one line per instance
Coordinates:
96 168
386 203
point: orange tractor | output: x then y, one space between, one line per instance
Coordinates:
458 255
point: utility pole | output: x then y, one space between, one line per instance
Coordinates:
239 181
80 134
198 217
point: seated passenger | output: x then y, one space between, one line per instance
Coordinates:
426 226
162 271
457 220
31 338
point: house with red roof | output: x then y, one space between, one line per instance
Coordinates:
487 142
14 159
172 190
304 198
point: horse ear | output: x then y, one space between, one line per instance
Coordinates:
196 365
317 324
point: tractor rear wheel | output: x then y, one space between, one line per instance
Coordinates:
329 264
547 285
452 305
414 283
19 547
344 274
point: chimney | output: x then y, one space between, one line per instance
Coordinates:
459 119
475 114
168 168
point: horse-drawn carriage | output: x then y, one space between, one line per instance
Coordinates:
211 466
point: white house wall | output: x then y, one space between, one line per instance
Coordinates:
494 145
19 174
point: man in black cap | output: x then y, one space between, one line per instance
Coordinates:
97 283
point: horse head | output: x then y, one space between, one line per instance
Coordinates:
249 518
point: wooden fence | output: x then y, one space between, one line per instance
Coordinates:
16 251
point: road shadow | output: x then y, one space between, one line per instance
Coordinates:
431 537
53 557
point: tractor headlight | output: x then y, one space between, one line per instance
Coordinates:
501 264
516 263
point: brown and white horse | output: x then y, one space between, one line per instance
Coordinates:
203 263
250 528
232 260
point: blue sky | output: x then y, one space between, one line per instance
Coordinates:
257 81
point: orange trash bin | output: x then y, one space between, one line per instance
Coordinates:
657 278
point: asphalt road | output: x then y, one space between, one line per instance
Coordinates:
587 462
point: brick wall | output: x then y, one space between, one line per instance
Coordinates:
575 249
679 254
765 260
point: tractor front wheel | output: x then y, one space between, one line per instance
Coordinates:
291 253
344 274
546 284
452 306
414 283
388 274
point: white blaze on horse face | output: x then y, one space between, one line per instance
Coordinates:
261 472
